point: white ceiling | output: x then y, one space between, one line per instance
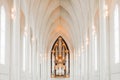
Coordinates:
51 18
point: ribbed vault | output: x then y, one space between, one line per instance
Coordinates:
52 18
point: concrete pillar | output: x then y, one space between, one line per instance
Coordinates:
104 75
15 55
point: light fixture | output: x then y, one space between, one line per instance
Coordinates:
26 30
33 39
82 48
106 7
13 13
106 10
106 13
87 41
93 29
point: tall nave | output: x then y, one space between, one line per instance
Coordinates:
59 39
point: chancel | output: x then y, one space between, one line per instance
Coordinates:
59 39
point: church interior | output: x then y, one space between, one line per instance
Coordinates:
59 39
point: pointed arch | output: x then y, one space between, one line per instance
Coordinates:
60 59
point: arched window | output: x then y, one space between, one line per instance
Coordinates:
2 35
116 34
60 59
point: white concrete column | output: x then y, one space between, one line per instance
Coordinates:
77 59
42 67
38 62
15 55
45 65
78 63
90 54
34 56
27 53
86 60
74 64
49 65
108 45
103 43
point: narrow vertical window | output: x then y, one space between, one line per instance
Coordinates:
83 63
95 46
2 36
30 56
116 34
24 52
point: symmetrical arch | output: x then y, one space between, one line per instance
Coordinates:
60 59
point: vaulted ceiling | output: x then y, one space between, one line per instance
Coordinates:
51 18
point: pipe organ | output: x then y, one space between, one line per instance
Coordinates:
60 59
